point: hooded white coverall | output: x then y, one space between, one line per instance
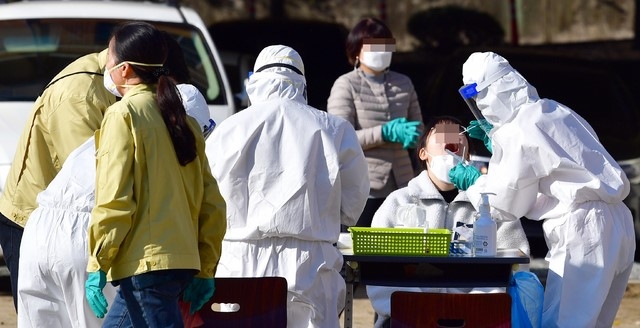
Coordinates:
421 192
54 251
53 254
548 164
290 174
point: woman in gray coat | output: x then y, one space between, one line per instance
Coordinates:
382 105
442 204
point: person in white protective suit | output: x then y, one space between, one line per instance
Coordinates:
548 164
441 204
51 283
290 174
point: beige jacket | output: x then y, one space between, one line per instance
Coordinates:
65 116
368 105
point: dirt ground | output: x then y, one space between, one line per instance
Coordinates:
628 314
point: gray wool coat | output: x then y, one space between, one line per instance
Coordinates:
368 105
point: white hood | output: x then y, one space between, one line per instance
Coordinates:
499 101
273 80
195 105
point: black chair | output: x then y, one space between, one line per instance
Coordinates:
414 309
247 302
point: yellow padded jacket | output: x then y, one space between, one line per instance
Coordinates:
151 213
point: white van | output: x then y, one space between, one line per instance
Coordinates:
39 38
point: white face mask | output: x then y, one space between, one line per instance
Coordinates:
441 165
108 82
377 61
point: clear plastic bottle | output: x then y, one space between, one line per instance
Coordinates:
485 230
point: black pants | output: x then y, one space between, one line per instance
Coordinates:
366 217
10 239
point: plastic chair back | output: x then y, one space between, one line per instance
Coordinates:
247 302
414 309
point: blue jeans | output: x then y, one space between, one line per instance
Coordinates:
10 239
149 300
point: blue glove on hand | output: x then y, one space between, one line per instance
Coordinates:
463 176
392 131
198 292
479 130
411 134
93 288
401 131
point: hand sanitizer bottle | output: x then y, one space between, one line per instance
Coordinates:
485 230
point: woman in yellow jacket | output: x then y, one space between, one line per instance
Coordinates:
158 221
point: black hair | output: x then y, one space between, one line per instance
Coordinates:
364 29
427 130
175 62
141 42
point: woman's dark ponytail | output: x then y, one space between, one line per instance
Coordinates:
175 118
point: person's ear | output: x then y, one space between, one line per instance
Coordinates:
422 154
127 71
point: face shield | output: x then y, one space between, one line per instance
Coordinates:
470 93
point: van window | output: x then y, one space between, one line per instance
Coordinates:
33 51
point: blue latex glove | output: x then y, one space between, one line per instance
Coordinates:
463 176
198 292
476 131
392 130
401 131
93 288
411 134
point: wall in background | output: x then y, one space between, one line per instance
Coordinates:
538 21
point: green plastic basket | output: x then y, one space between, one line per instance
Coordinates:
400 241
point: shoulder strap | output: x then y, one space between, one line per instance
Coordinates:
74 73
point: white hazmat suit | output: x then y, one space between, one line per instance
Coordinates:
53 254
290 174
548 164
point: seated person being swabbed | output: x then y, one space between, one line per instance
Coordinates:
441 147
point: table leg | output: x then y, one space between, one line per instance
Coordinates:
348 306
350 274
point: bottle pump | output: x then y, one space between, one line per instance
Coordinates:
485 230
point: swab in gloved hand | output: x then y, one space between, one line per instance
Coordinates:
463 176
467 129
482 133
